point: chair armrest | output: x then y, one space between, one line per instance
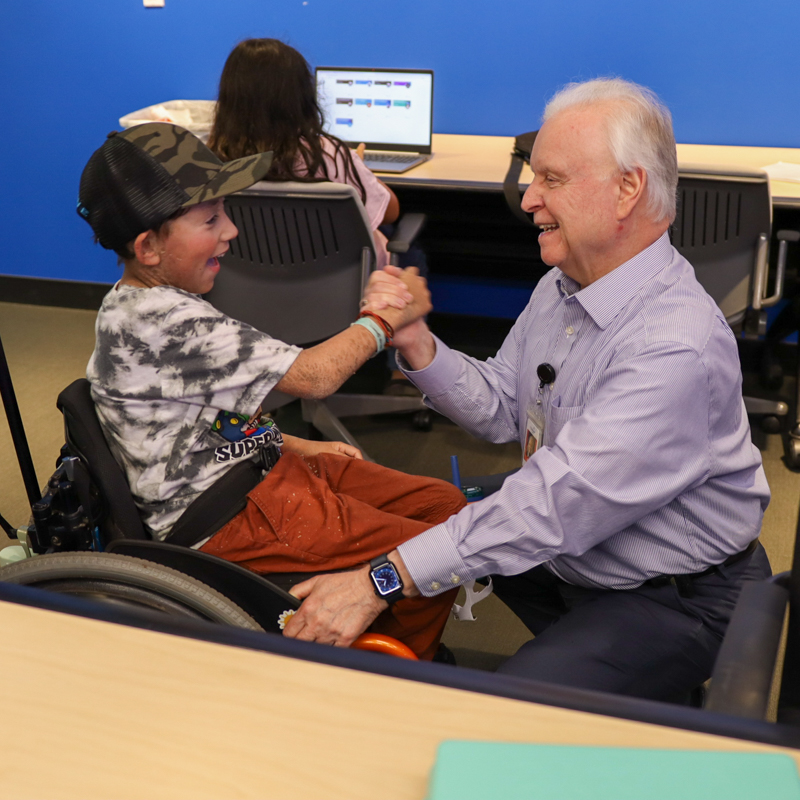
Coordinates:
407 229
783 237
743 671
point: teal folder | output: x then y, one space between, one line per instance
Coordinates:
487 770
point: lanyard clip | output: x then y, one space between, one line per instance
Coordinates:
546 374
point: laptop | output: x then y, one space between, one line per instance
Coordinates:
389 110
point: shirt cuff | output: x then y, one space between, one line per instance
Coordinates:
440 375
433 562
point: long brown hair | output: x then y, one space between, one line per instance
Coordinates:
268 101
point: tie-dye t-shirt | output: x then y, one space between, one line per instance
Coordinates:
178 387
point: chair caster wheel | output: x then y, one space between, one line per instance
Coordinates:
771 424
793 453
422 421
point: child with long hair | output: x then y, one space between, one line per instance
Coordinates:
268 101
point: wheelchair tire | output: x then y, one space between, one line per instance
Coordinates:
130 583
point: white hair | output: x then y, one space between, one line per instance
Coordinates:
639 134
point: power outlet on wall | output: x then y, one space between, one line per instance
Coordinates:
154 3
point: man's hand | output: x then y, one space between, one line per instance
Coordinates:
336 608
306 447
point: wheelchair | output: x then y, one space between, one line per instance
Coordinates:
88 540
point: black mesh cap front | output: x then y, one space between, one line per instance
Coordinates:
124 192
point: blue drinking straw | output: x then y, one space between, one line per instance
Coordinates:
456 471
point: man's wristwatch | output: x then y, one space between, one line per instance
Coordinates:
386 579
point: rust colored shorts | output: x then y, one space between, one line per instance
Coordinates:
332 512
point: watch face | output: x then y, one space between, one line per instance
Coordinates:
386 579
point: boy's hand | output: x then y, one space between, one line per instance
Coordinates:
386 289
307 447
389 296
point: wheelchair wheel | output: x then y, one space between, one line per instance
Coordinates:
130 583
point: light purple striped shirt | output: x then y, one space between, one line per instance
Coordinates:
647 467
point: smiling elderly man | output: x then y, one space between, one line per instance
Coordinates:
624 539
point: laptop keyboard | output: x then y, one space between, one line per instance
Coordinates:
390 158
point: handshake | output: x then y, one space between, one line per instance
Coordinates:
402 298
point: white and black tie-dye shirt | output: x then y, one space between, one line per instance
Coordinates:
178 387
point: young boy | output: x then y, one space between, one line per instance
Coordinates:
178 385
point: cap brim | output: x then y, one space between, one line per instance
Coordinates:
232 177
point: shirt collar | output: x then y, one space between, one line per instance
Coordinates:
606 297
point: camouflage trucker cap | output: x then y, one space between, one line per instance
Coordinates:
142 176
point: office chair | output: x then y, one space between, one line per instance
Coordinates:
722 227
747 660
298 270
785 323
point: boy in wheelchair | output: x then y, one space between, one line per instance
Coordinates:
178 385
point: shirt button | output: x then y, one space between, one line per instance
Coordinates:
570 330
454 579
436 586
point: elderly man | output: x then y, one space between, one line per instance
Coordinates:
623 541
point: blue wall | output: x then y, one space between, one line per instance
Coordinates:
728 70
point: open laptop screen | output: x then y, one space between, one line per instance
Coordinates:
387 109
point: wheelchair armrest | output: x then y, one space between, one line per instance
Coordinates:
743 671
407 229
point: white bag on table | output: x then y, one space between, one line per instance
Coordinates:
194 115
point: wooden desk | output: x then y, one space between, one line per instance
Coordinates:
93 709
481 162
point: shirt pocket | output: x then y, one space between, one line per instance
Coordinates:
558 416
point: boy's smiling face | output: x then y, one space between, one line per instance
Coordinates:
186 254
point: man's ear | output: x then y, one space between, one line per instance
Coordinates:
631 191
147 249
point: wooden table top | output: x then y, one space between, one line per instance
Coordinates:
93 709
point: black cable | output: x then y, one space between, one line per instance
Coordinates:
18 431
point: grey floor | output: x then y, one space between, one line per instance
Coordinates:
47 348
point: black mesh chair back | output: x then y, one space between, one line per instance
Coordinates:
84 436
722 228
299 265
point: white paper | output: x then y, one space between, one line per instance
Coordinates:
783 171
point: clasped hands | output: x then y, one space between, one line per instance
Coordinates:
403 298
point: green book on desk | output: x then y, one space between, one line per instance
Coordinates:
487 770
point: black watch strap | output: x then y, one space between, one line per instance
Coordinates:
386 579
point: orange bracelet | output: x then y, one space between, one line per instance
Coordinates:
386 327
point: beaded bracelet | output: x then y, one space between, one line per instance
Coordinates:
376 330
